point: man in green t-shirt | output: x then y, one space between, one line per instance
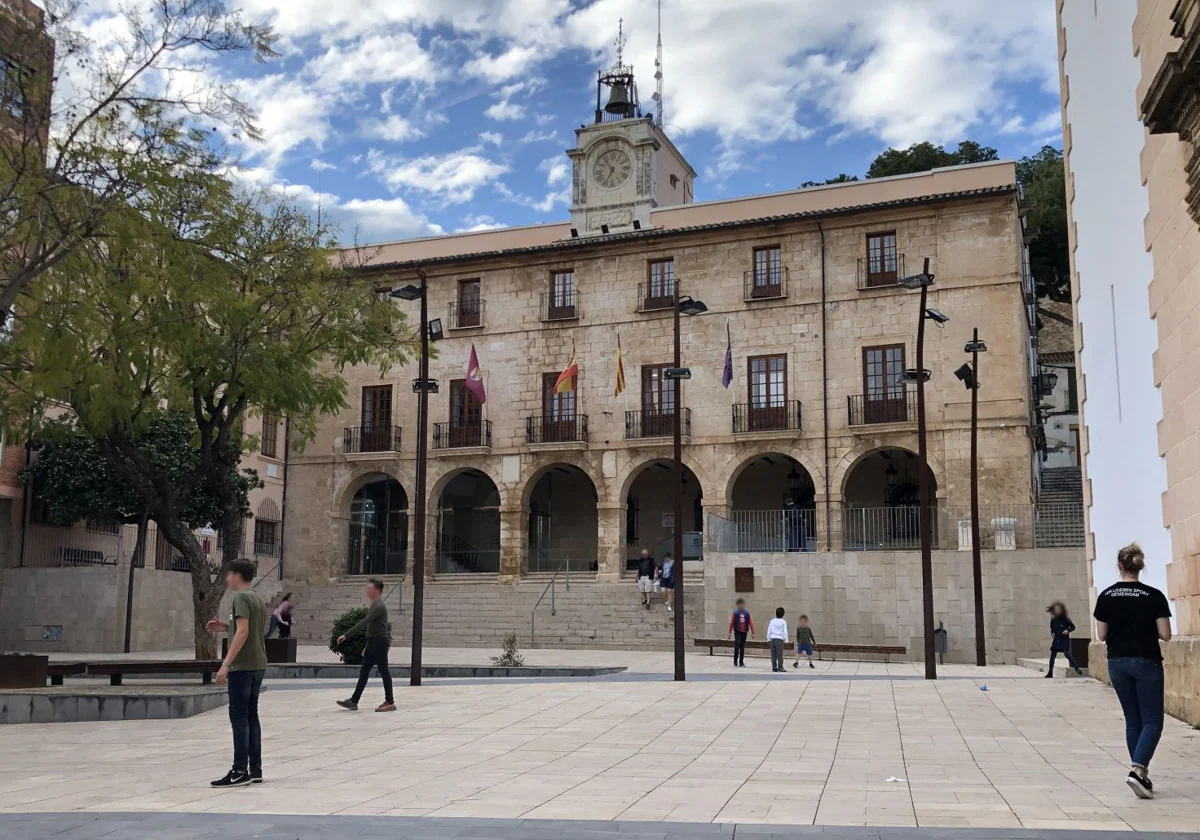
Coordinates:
243 670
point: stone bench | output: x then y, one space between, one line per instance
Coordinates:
887 651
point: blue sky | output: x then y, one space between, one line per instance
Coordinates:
413 117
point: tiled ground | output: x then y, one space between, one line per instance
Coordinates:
1027 753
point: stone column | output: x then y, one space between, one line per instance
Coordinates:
513 522
610 542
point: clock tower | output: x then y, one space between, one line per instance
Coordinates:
623 164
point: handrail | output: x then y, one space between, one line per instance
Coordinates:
566 566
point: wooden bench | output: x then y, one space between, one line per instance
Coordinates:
115 670
57 670
887 651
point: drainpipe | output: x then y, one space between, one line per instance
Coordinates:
287 432
825 390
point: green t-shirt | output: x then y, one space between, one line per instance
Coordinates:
253 655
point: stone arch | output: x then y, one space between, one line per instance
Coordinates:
627 476
846 464
438 485
267 510
359 475
377 527
881 505
467 503
648 524
560 508
534 471
736 467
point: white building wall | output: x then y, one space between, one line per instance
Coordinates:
1120 404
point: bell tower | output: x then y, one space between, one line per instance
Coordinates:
623 165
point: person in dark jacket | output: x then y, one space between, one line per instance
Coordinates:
740 624
375 655
1061 629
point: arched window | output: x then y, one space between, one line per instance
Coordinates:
378 539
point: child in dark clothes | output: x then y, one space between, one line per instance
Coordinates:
1060 636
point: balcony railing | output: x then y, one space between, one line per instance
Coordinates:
655 424
879 279
765 284
543 429
749 417
359 439
465 315
263 549
460 435
882 408
655 297
559 306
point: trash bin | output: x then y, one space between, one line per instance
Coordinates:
1005 530
1079 649
940 641
964 535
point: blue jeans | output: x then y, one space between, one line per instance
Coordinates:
244 687
1139 686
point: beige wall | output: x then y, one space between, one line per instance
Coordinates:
874 597
975 248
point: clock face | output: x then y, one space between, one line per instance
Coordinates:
612 169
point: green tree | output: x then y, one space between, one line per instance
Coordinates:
124 110
211 303
843 178
921 157
1044 189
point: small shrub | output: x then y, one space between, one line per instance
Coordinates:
509 656
350 651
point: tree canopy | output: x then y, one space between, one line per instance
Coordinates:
921 157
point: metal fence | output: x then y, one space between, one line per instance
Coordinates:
1001 528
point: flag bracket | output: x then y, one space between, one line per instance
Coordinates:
429 386
677 373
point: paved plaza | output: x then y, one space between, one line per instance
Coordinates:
849 744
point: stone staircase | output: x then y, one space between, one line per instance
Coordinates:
466 611
1060 508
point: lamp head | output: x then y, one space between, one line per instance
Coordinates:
691 306
910 375
976 346
435 329
937 316
966 376
409 292
916 281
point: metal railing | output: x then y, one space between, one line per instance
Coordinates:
358 439
559 306
456 556
466 315
654 424
565 568
459 435
765 284
884 529
541 429
49 546
655 297
879 279
864 410
770 531
748 417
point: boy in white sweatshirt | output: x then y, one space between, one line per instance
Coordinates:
777 635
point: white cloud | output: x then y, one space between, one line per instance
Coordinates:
372 60
454 177
290 114
556 170
472 223
507 65
504 110
492 137
534 136
321 165
394 128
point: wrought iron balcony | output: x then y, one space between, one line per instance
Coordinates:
765 283
559 306
467 314
868 279
541 429
751 417
654 424
358 439
462 435
655 297
866 410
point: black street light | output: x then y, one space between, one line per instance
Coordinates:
923 281
968 374
423 386
678 373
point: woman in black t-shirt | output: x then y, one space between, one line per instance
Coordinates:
1131 617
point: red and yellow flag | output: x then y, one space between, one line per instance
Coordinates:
566 379
620 370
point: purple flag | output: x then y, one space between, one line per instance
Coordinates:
475 377
727 374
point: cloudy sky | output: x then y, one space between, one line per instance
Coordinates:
414 117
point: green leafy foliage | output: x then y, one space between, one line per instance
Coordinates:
843 178
351 650
1044 189
921 157
510 656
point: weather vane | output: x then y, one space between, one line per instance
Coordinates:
620 42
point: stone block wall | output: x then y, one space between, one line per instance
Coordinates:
875 597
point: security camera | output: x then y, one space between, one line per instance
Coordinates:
936 316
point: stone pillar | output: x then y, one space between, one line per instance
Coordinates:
829 523
610 542
513 523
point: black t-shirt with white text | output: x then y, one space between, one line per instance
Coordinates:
1131 610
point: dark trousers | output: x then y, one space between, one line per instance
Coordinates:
375 656
244 687
1139 686
777 646
1054 652
739 648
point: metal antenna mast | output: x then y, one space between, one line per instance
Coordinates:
658 69
620 42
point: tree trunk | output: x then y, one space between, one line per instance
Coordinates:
207 585
138 558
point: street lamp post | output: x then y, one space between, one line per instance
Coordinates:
684 306
969 375
423 386
923 281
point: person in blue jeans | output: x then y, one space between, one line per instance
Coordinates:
1131 618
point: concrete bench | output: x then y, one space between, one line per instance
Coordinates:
115 670
57 670
887 651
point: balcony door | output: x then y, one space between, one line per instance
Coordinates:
767 376
562 295
768 272
660 285
376 419
466 415
470 303
558 412
658 401
883 384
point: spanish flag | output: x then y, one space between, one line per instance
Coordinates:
620 370
566 379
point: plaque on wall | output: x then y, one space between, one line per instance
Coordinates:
743 579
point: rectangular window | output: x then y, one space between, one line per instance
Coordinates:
470 303
270 428
881 258
466 415
658 401
266 536
562 294
767 383
660 284
883 384
1072 391
15 81
376 418
768 272
558 411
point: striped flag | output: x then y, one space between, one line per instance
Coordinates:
565 383
727 373
620 370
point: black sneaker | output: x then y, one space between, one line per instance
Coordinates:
1142 788
1049 675
234 778
256 776
810 665
352 705
1079 671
